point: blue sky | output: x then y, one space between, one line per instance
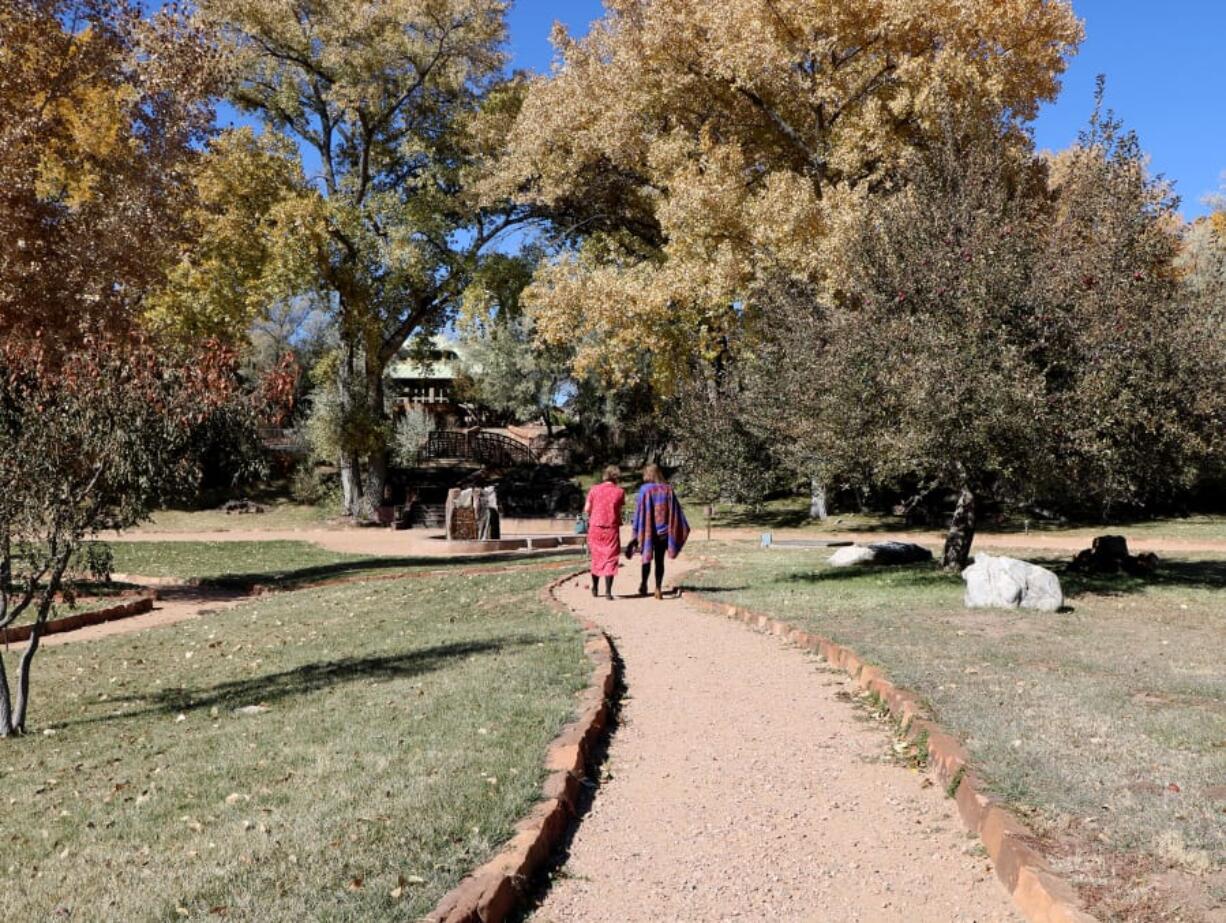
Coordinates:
1165 78
1164 65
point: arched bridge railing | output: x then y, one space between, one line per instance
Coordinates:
493 449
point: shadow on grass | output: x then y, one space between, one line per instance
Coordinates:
320 572
897 576
1172 574
746 518
695 588
308 678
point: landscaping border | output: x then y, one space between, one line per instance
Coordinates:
138 606
496 889
1039 893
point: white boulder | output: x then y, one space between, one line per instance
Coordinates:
880 553
1007 583
851 556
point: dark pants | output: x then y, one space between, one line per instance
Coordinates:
659 549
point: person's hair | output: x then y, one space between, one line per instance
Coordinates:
654 474
613 473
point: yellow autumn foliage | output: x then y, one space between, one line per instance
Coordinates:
691 148
262 237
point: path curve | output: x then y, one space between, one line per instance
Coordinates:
739 787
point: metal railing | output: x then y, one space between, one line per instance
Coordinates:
492 449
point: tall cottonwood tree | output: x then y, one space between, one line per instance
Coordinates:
689 149
399 102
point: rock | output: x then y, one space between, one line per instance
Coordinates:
851 556
880 554
1007 583
241 507
1109 555
900 553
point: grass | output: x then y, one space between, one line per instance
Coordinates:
263 561
284 564
398 734
793 513
278 514
1106 723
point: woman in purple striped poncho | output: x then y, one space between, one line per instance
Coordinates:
659 526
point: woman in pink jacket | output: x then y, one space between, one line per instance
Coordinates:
604 519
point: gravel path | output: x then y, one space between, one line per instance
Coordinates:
741 787
425 543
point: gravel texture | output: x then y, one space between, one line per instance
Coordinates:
741 786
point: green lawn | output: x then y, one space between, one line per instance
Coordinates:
259 562
398 733
278 514
1084 720
284 564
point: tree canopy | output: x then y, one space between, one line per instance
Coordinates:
101 115
401 103
1008 329
689 149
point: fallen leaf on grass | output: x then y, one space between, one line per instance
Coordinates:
355 884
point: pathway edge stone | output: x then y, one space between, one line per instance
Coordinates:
490 893
1040 895
138 606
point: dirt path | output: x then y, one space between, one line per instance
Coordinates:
420 542
175 604
740 787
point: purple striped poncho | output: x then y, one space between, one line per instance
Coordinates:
657 513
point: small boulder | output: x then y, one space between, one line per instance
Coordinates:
900 553
880 554
1007 583
231 507
1109 555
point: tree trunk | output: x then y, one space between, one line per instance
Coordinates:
961 533
817 500
17 723
376 481
351 475
351 484
377 462
6 703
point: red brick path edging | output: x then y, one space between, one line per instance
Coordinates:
493 891
1039 893
137 606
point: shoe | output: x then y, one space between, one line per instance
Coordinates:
609 597
595 593
659 594
643 590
